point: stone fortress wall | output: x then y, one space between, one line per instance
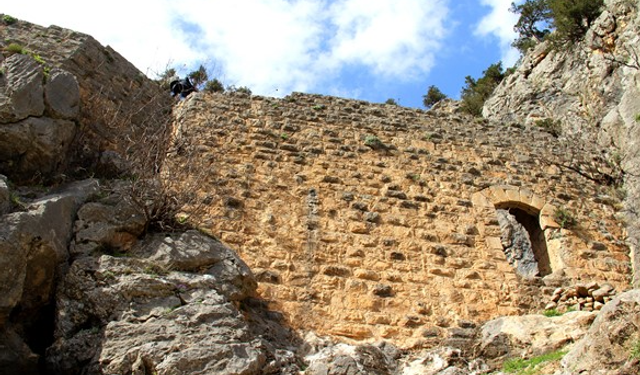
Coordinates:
370 221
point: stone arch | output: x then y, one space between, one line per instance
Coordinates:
530 210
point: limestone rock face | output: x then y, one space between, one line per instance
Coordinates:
531 335
33 254
517 245
111 224
35 134
343 359
606 348
191 251
21 89
62 95
117 104
170 313
34 147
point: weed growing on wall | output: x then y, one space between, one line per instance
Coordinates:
564 218
635 350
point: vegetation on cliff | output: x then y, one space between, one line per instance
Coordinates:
538 18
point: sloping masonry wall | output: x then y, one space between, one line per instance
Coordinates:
371 221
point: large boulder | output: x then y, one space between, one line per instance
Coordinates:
37 118
34 148
62 95
606 349
344 359
531 335
111 224
33 244
21 89
169 307
192 251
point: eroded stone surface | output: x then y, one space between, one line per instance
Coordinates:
124 315
607 346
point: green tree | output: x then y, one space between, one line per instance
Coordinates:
476 92
572 18
533 24
199 76
569 19
433 96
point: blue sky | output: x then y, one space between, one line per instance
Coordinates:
366 49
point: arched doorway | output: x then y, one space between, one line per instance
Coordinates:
523 241
529 214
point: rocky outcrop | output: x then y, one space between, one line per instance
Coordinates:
172 306
531 335
344 359
38 118
589 93
33 256
112 106
517 245
608 347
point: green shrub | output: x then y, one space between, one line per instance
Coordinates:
564 218
241 90
551 313
214 86
38 58
373 142
9 20
15 48
391 101
550 126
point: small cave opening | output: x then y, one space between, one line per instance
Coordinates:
36 328
523 241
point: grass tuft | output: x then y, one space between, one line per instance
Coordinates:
529 366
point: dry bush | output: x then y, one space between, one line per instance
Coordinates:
132 144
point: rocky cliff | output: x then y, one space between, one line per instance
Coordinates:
303 235
588 91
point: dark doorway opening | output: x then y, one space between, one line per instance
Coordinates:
529 220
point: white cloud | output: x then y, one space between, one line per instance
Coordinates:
267 45
499 23
395 38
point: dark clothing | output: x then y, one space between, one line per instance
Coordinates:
182 87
